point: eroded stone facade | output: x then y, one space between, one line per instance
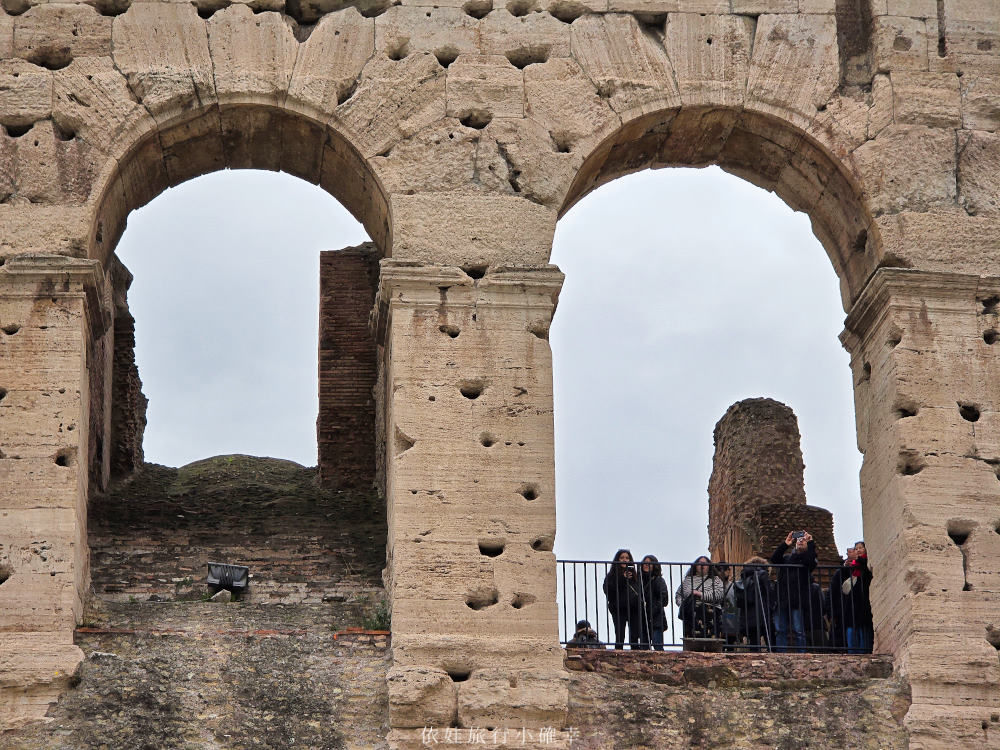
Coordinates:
458 132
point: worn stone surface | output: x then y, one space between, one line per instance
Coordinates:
457 132
704 700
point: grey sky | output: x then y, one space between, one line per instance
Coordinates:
685 291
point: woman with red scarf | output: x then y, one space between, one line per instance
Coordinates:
852 609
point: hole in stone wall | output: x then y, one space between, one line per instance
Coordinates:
567 11
990 336
403 442
894 337
16 131
11 329
452 331
492 547
51 58
969 412
520 8
476 119
529 491
861 241
66 457
15 7
993 636
482 598
653 24
906 408
476 271
65 133
478 8
910 463
446 55
866 372
5 573
472 389
399 50
990 305
522 600
459 675
543 543
487 440
522 57
959 530
3 393
345 94
561 142
539 329
111 8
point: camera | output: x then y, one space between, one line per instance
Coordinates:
798 534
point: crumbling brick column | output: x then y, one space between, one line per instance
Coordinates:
345 426
471 494
52 311
925 352
756 493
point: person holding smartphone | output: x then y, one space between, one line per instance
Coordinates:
622 589
797 555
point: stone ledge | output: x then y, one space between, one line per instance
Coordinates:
730 670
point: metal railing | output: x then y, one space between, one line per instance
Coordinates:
727 607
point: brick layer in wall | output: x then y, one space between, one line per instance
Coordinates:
345 428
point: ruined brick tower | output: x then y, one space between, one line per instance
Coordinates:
756 493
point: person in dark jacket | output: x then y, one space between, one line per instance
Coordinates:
850 602
622 589
584 637
755 601
815 617
655 596
793 588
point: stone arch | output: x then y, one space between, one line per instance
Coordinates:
764 149
240 135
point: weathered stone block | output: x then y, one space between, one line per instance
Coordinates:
930 99
162 49
978 177
330 61
252 55
710 56
53 35
630 69
481 85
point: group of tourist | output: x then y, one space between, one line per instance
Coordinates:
786 610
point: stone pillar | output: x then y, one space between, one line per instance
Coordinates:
471 498
345 426
925 353
55 320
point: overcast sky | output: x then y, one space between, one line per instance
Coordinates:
686 290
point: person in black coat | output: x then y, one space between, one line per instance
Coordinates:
755 601
655 596
815 617
793 588
850 602
622 589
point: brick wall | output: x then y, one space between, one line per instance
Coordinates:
128 403
756 491
345 428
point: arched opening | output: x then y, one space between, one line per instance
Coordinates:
154 528
711 291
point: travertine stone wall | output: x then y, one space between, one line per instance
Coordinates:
926 374
471 498
345 427
458 132
51 309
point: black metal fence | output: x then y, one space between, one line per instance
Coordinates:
749 607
